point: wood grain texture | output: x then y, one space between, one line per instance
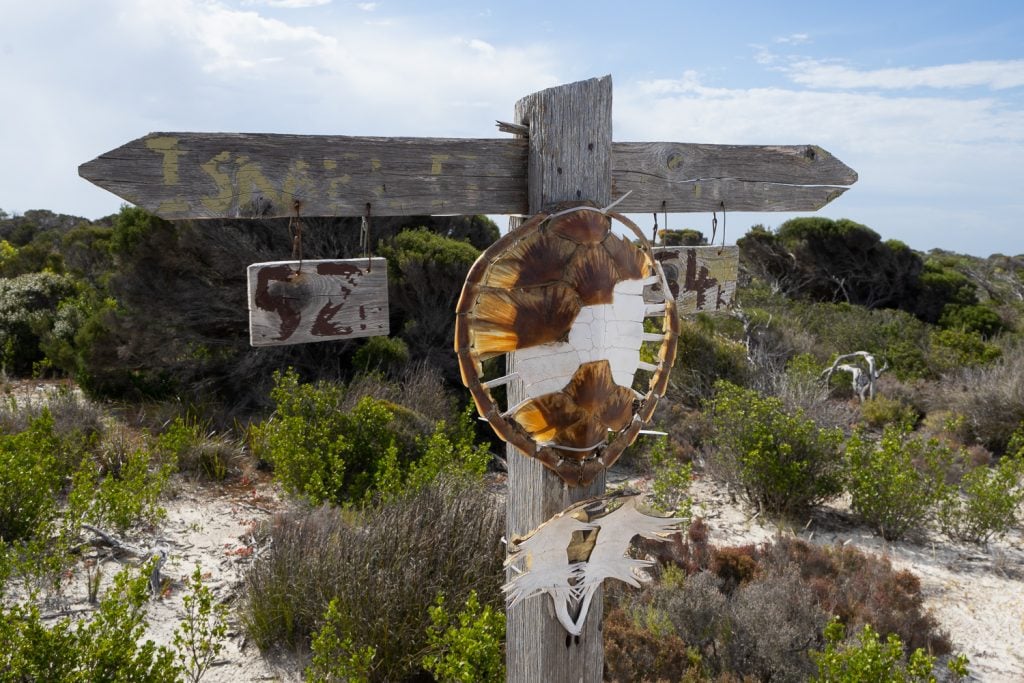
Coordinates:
293 302
700 177
236 175
570 149
214 175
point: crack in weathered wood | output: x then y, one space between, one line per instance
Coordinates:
207 175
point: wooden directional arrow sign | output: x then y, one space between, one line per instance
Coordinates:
228 175
564 153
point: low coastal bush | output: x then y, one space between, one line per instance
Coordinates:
779 462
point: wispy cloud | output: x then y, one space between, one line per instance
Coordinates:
288 4
367 6
996 75
916 156
793 39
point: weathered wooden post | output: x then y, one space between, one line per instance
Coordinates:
569 158
568 155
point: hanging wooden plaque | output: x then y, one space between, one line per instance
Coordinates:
702 279
293 302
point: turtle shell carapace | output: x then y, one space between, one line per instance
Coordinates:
566 295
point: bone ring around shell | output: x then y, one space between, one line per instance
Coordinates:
567 295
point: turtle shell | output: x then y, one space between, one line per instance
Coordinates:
566 295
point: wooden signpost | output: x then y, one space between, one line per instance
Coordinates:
563 151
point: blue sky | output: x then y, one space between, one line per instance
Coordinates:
924 100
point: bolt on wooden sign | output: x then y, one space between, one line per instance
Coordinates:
296 302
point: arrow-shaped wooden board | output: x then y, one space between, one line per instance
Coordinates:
239 175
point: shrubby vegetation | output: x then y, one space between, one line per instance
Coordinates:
764 612
779 462
383 567
395 574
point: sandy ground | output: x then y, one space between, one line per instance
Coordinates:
976 593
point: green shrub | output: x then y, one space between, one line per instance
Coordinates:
702 358
107 647
881 411
987 504
449 450
28 304
867 658
320 452
204 453
896 483
384 565
779 462
972 318
1015 444
200 635
381 354
30 477
337 660
956 348
327 454
671 481
466 647
123 497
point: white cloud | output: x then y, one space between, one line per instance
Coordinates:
929 156
793 39
124 68
367 6
288 4
996 75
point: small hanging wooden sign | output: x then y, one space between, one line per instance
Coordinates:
702 279
295 302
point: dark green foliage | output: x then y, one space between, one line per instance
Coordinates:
161 306
131 228
972 318
687 237
426 272
895 484
384 566
821 259
779 462
941 286
382 354
703 358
